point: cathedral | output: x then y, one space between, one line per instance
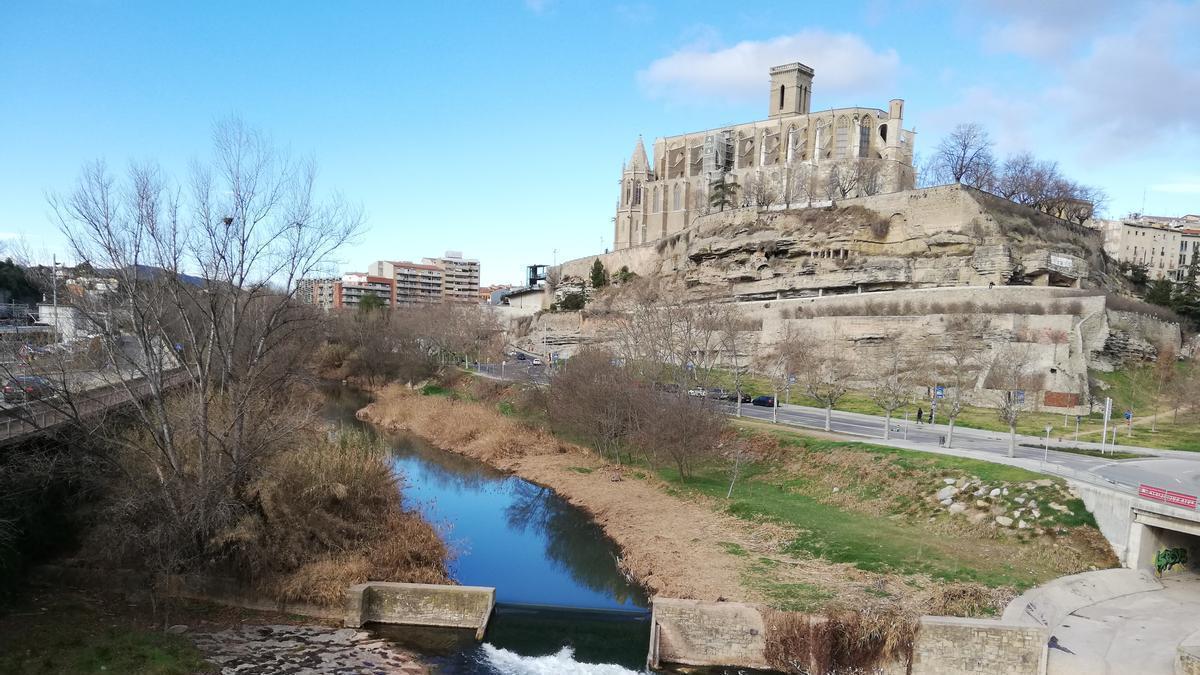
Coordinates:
794 158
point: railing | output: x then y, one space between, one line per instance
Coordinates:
91 402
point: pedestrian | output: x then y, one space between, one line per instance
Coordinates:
920 414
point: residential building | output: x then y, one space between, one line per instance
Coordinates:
1164 245
460 276
491 295
346 291
415 283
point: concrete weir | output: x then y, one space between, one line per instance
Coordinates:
420 605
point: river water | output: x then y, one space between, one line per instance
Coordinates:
562 605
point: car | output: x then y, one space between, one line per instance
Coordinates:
734 396
26 388
698 392
521 356
765 401
719 394
537 362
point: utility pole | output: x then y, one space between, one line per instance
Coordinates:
54 292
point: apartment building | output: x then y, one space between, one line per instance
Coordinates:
415 283
1164 245
460 276
346 291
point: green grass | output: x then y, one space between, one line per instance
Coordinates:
788 596
581 469
1088 452
77 642
437 390
872 543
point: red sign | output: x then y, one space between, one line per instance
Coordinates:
1166 496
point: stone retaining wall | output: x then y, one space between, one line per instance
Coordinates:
733 634
420 605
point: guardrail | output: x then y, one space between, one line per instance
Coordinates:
14 427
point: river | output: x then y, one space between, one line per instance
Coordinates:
562 604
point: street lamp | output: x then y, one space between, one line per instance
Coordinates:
1046 447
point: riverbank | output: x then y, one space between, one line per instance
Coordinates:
818 524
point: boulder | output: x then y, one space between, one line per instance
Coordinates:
1022 525
947 501
981 504
947 492
995 492
948 481
1004 521
958 507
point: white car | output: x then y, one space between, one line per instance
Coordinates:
537 362
700 393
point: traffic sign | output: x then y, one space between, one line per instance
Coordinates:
1020 395
940 392
1128 414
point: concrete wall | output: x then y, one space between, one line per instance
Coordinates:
1187 655
229 592
420 605
700 633
951 645
731 634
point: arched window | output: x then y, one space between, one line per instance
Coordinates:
841 143
643 233
781 90
655 199
628 190
637 193
675 199
864 137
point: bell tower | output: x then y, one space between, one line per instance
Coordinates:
630 221
791 90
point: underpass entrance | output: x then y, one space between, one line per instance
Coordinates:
1161 542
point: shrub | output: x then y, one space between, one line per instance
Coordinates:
840 641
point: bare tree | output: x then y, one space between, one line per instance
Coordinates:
596 400
823 371
1166 359
964 348
965 156
798 189
734 327
892 387
1011 375
763 193
679 428
202 325
669 341
1184 388
780 360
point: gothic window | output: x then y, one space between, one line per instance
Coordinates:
883 132
842 138
637 193
655 199
781 90
628 191
675 199
864 137
643 233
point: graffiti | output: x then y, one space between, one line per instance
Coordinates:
1167 558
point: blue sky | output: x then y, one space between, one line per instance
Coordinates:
499 128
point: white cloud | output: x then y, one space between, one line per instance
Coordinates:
844 64
1040 29
1135 88
1189 186
1009 120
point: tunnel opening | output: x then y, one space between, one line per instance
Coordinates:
1164 544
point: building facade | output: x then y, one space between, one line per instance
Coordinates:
346 291
793 157
1164 245
416 283
460 277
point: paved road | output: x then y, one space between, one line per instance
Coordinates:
1176 470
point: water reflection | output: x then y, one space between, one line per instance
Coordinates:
521 538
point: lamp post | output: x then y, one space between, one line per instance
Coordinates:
1046 447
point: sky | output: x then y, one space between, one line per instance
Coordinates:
499 128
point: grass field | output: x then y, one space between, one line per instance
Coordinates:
881 517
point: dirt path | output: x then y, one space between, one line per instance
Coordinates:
671 545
